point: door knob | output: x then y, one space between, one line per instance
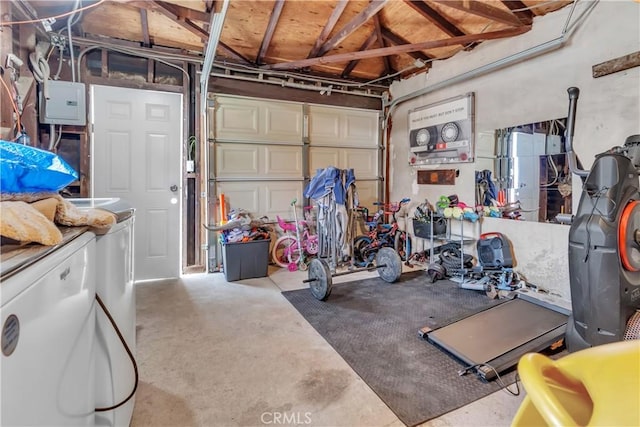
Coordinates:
173 188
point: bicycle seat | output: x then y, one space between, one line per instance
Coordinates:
285 225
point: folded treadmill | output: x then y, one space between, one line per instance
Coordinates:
493 340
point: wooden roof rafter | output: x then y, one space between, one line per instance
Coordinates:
234 54
174 15
271 27
328 27
394 50
480 8
367 13
388 69
396 40
184 13
144 23
365 46
435 17
519 9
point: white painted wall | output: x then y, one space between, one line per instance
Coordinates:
531 91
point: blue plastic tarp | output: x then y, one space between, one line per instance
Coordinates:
25 169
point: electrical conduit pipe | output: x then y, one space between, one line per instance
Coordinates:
493 66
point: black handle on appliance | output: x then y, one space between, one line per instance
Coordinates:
574 93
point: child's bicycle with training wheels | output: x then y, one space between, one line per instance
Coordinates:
292 250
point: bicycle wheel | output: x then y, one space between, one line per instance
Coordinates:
402 245
285 251
361 256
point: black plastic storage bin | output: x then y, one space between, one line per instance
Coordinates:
422 229
245 260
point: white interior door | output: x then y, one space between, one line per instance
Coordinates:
136 146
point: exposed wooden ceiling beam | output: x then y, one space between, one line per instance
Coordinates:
27 13
187 24
180 12
434 16
271 27
438 20
483 9
516 6
394 50
195 29
365 46
396 40
328 27
362 17
176 54
144 23
378 31
233 53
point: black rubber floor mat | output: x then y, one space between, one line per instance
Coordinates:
374 326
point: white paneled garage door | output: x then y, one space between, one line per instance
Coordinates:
262 152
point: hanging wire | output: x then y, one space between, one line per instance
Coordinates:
551 163
13 104
60 56
70 35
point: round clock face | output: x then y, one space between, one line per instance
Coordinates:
450 132
423 137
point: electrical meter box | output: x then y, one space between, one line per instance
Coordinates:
65 104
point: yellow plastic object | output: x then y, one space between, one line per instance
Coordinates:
598 386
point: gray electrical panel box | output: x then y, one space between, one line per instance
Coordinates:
554 144
65 104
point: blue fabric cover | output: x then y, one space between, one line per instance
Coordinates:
25 169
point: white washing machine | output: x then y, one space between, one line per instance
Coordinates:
47 313
114 369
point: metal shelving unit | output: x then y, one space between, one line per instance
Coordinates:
450 237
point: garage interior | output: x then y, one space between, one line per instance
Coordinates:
199 124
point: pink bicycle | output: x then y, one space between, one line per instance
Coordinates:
292 250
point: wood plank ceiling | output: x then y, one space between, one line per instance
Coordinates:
348 40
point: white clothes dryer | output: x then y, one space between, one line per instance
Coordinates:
47 314
115 367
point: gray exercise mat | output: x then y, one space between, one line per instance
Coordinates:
374 326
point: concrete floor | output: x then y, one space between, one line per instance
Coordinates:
214 353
